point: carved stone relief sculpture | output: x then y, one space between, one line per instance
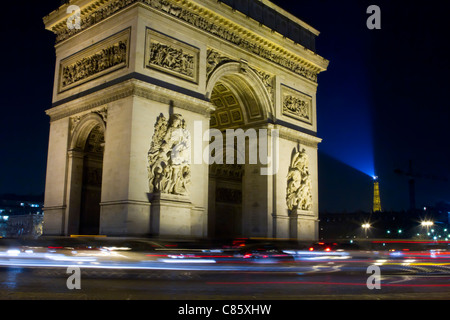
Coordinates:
109 55
215 59
169 157
296 105
171 56
299 186
268 81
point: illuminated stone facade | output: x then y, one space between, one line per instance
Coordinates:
132 86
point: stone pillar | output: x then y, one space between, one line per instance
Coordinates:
125 209
128 206
55 186
74 183
255 201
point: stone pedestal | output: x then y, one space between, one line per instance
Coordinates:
171 215
281 226
125 218
303 225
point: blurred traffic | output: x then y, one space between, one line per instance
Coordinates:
222 255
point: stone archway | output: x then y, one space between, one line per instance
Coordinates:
91 188
252 88
85 174
242 104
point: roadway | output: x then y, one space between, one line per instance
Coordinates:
32 272
107 284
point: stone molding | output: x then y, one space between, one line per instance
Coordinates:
125 202
129 88
297 136
206 20
50 208
74 121
286 133
172 199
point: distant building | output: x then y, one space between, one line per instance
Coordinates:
20 215
385 225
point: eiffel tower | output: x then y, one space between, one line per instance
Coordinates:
376 195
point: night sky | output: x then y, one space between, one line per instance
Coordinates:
382 102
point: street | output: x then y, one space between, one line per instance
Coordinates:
20 283
118 273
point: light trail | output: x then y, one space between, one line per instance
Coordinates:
247 283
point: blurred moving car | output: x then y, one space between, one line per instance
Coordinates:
323 246
263 252
88 249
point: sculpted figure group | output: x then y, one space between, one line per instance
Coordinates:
298 193
169 157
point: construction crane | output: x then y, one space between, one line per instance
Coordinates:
412 176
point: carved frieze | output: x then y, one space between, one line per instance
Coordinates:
199 21
74 123
169 169
299 186
104 57
268 81
103 112
171 56
92 17
214 59
296 104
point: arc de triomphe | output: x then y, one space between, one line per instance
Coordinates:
145 93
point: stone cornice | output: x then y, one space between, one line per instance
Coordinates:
291 134
280 51
297 136
263 35
133 87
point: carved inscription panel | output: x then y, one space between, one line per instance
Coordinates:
171 56
297 105
95 61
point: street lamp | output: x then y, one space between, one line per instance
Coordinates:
366 227
427 223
